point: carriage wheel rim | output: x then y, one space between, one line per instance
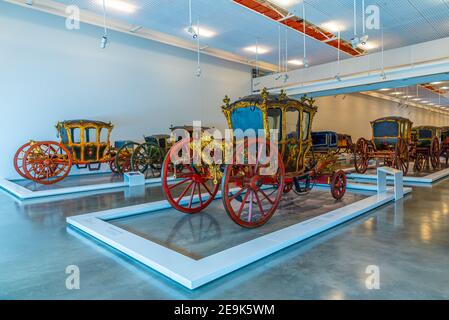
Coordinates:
250 195
192 185
43 164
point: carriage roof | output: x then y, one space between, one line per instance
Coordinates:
433 128
86 123
395 119
272 100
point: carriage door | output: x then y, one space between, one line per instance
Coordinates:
292 139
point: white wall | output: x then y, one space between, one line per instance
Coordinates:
48 74
352 114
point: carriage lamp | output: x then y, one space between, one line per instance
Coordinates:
104 42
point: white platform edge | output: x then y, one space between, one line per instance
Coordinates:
195 273
429 179
23 193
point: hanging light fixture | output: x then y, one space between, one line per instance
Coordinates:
104 38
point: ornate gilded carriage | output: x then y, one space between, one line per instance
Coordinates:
425 148
391 140
270 155
84 143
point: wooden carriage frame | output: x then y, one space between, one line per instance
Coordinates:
242 184
444 139
48 162
366 150
427 154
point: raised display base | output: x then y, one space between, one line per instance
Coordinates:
423 179
193 270
24 189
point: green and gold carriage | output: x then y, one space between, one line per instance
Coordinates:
84 143
269 154
425 149
390 144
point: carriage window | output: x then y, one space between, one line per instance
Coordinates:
333 139
275 120
90 135
305 125
425 134
386 129
103 135
76 135
292 120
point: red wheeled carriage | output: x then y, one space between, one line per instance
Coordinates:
262 169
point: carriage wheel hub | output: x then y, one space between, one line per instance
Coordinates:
48 162
254 183
197 178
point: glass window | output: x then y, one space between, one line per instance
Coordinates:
425 134
386 129
292 120
76 135
319 139
333 139
305 125
275 120
90 135
103 135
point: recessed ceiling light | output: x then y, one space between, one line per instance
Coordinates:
424 101
285 3
438 82
431 104
118 5
385 89
296 62
258 50
202 31
444 88
396 93
333 26
416 99
408 97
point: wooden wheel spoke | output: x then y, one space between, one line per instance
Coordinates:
178 184
192 194
199 194
239 213
234 196
184 192
259 203
207 189
266 196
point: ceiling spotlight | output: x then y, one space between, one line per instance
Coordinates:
306 63
337 77
192 31
278 77
104 42
199 72
355 42
286 78
383 76
203 32
364 40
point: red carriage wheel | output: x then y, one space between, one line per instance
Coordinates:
288 187
435 153
112 166
251 197
194 188
401 159
420 161
18 159
123 157
47 162
361 156
338 184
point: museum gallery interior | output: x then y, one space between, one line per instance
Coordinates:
226 149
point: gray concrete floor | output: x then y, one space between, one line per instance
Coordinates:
408 241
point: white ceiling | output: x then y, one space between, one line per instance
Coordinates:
405 22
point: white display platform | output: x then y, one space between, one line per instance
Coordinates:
193 273
408 181
23 193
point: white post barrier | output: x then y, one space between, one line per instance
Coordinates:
134 179
398 180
